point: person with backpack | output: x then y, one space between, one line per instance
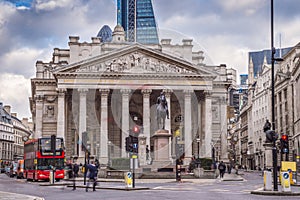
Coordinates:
222 169
92 173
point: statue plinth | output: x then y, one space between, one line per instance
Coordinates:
269 155
161 146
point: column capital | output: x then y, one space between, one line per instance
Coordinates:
39 97
104 91
188 92
125 91
146 92
208 93
83 90
61 92
167 92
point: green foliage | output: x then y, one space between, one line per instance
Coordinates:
205 163
120 163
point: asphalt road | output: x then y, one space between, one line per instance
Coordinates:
188 190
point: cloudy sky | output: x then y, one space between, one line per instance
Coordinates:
226 30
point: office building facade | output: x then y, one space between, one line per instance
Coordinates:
138 20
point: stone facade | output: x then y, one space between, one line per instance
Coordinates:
287 100
12 134
107 88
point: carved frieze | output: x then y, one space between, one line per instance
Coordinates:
135 62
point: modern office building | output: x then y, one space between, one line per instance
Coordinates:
138 20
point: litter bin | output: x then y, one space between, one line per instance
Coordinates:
267 181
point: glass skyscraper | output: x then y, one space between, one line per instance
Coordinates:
137 19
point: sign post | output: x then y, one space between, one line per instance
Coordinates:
128 179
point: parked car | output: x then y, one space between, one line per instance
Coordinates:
11 170
7 170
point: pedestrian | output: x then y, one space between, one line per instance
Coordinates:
69 166
92 175
229 168
222 169
75 170
147 152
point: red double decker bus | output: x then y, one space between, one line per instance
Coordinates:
39 159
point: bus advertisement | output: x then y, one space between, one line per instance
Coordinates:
39 159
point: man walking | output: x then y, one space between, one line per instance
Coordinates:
222 169
92 175
75 170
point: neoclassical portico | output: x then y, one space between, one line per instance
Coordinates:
108 93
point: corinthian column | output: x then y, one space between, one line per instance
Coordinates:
82 117
104 126
39 99
146 114
61 128
168 121
125 119
208 123
187 124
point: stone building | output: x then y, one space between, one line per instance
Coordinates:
106 88
287 100
6 136
12 134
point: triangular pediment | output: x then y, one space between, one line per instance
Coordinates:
134 59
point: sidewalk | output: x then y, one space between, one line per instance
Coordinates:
295 191
119 184
14 196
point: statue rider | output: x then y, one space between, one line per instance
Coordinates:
162 99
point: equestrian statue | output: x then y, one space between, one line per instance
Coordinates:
161 111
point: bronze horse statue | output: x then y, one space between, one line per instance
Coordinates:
161 111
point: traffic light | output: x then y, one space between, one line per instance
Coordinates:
284 143
135 142
128 144
131 144
271 136
136 130
53 143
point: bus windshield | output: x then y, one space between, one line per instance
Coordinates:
45 144
46 163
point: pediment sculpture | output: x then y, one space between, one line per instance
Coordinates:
134 63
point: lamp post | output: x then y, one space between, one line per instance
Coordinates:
198 146
109 154
273 59
274 151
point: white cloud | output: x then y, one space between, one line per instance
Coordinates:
15 92
249 7
48 5
20 61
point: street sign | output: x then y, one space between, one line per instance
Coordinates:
285 182
134 156
128 179
285 166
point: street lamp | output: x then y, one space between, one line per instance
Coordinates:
198 146
109 148
273 59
